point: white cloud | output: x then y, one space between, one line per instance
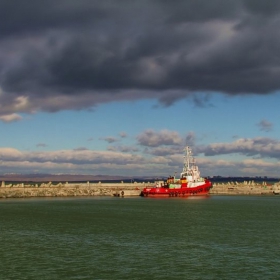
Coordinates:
82 161
259 146
10 118
151 138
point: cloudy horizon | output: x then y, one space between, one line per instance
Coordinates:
120 87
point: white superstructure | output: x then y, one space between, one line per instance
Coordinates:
190 170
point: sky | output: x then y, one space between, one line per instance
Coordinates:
120 87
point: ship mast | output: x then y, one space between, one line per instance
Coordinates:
187 159
190 169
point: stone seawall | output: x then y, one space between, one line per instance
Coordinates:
122 189
245 188
70 189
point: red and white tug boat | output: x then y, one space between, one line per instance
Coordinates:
189 184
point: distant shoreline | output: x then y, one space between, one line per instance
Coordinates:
43 178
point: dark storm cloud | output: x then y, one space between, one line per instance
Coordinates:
31 16
67 54
199 10
260 7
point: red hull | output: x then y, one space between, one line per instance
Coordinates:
165 191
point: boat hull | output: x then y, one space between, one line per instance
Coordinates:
165 191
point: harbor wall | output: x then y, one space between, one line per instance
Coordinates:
65 189
245 188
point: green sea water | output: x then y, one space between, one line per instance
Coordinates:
220 237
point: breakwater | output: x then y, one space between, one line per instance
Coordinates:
65 189
13 190
245 188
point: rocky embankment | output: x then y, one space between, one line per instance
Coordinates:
245 188
122 189
70 189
